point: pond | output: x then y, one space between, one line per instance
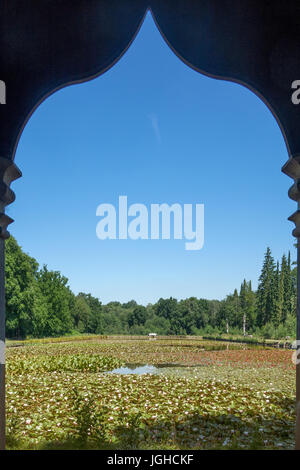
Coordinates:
166 368
135 369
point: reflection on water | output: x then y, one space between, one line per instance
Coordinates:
166 368
133 369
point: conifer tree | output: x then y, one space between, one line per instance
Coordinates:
243 304
287 289
250 306
235 300
294 290
266 294
278 286
247 306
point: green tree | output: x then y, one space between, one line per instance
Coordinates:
26 310
59 299
287 288
95 322
226 315
81 314
278 282
266 292
169 309
193 314
244 304
138 316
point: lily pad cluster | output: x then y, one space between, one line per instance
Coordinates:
228 399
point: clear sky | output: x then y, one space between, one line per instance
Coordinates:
157 131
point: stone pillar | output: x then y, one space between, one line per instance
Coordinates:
8 173
292 169
2 348
298 365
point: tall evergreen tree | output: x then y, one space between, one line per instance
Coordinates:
278 284
243 304
266 293
251 305
287 289
247 306
294 290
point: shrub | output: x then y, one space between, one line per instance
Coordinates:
89 423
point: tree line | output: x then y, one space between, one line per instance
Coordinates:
40 303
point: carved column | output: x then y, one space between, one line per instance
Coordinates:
292 169
8 173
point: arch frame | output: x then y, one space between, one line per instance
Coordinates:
46 45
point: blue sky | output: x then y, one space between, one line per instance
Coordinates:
156 131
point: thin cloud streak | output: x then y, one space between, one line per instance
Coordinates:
154 123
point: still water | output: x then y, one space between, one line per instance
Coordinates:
141 369
177 368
